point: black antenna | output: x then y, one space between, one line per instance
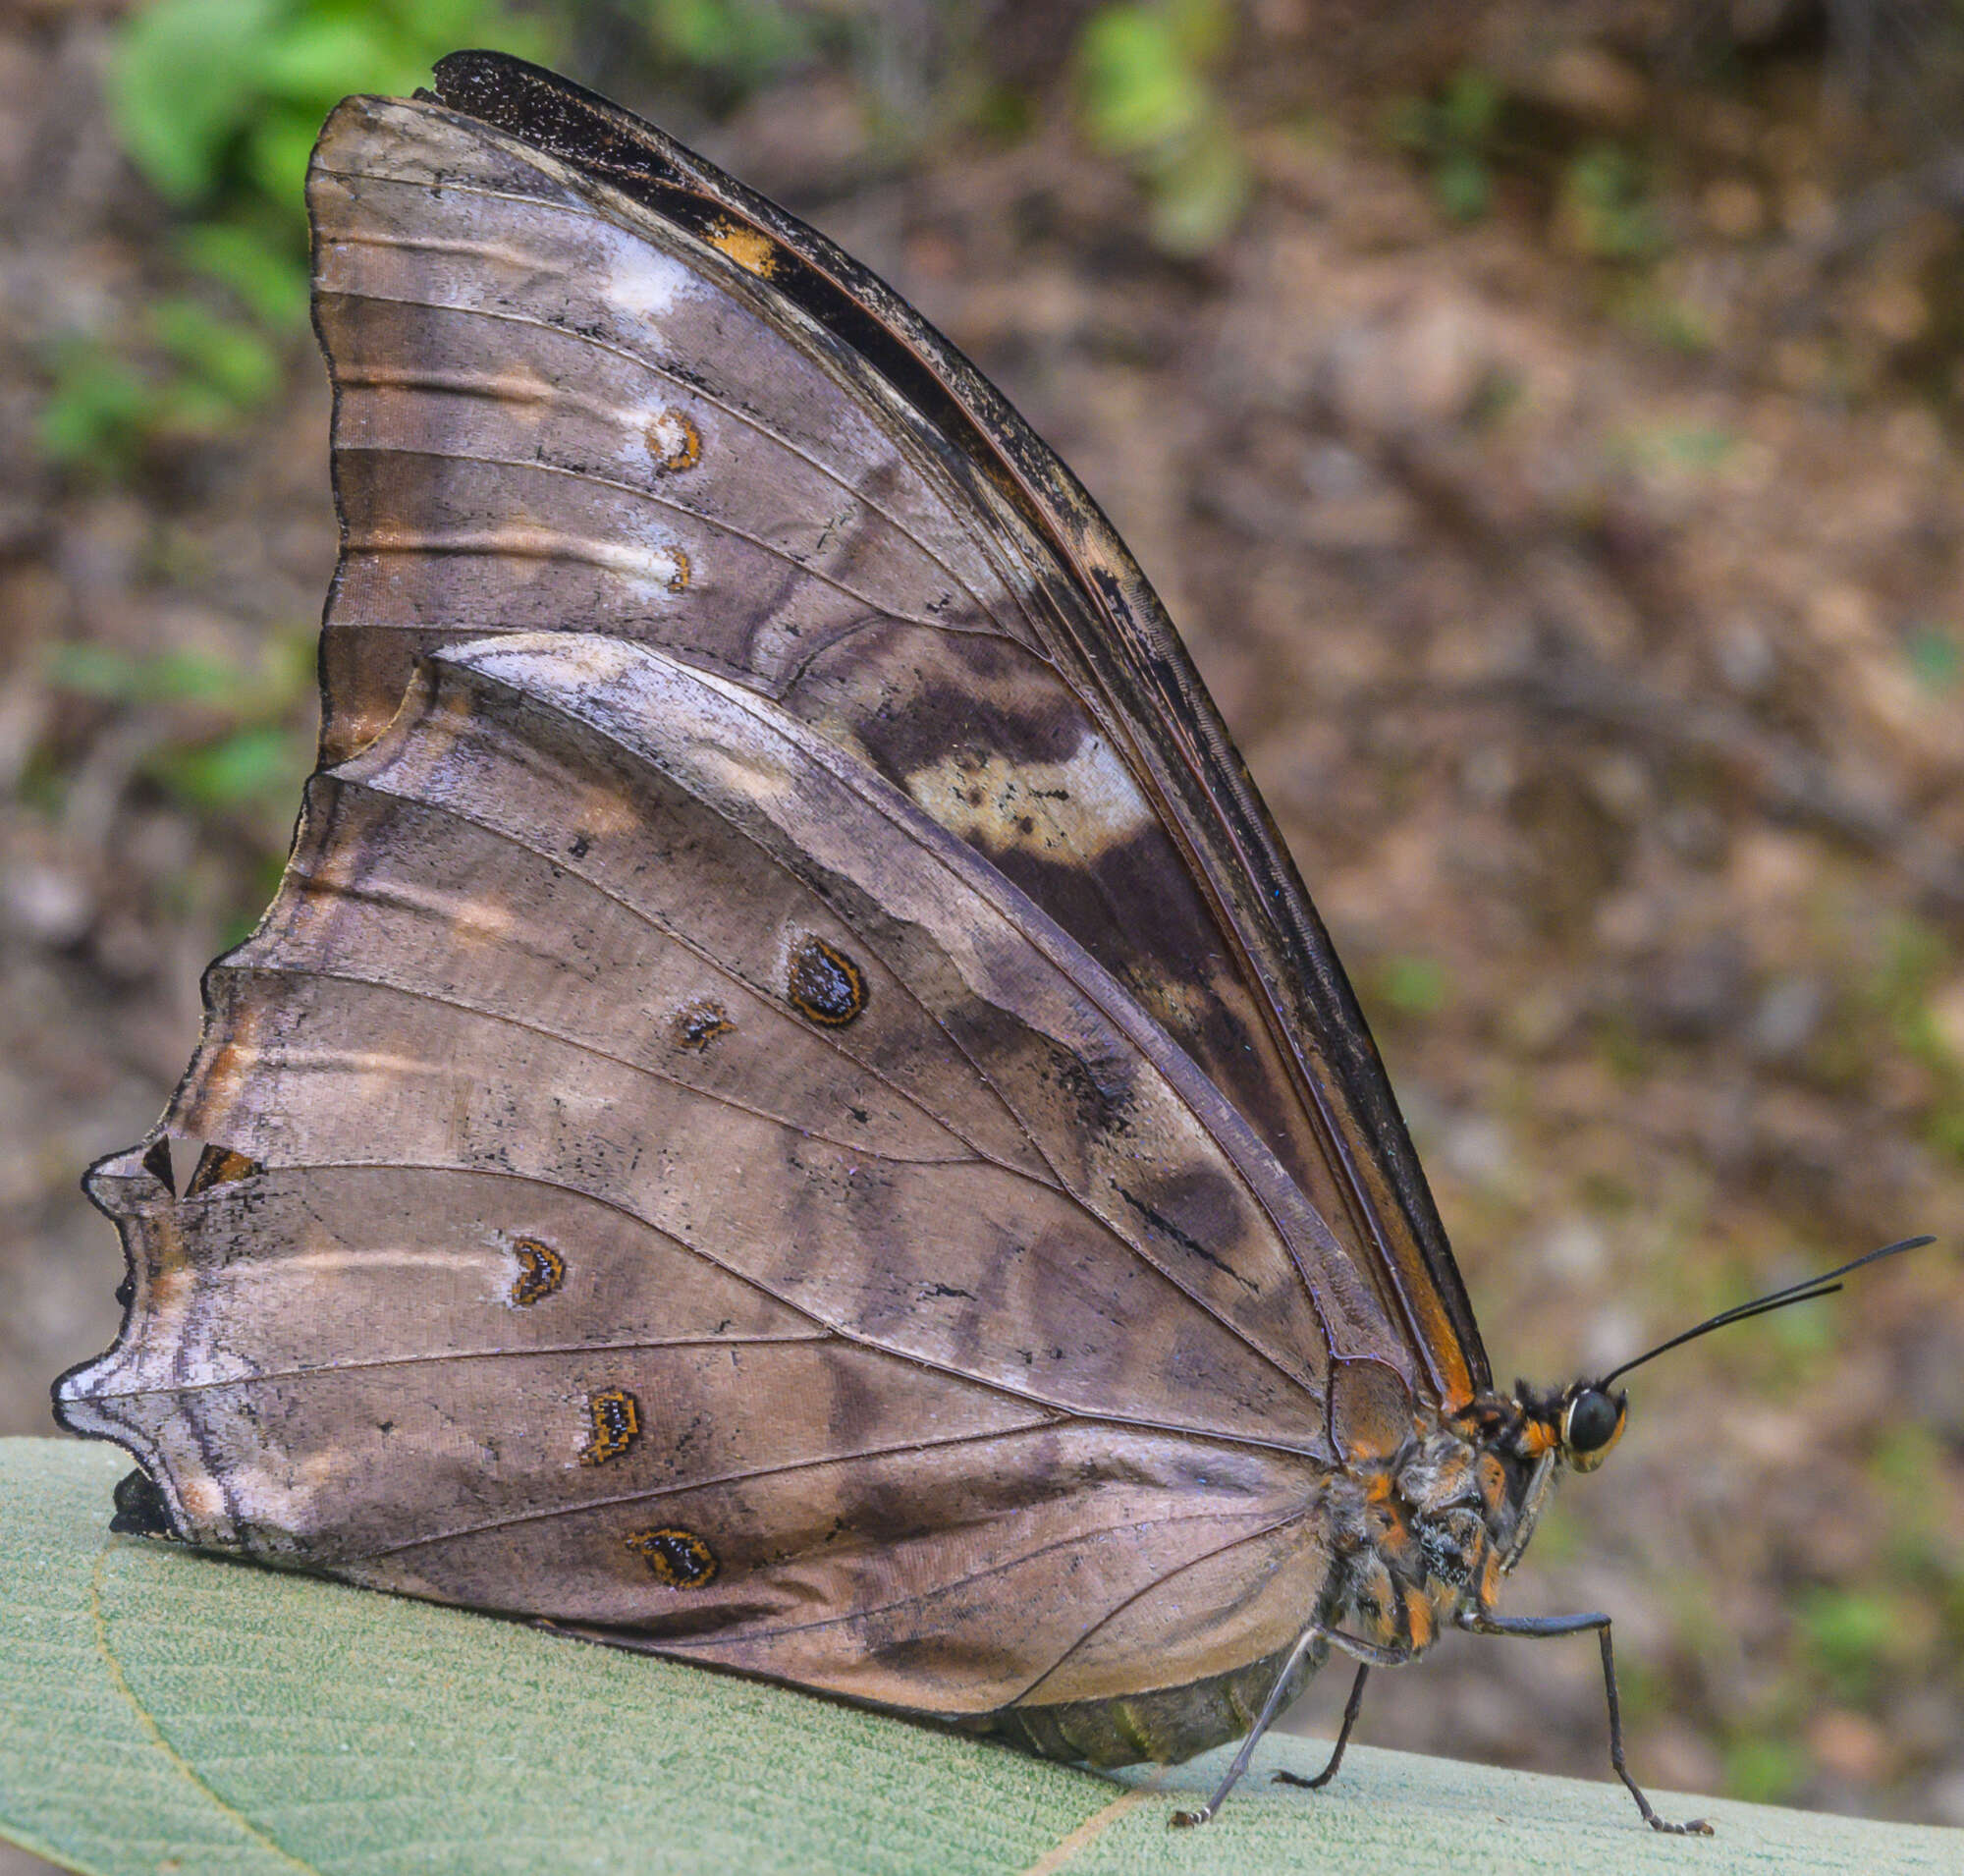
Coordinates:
1806 1290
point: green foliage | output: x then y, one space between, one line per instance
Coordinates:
1606 207
1853 1637
234 743
1695 449
740 44
1665 319
1934 658
1908 1468
218 102
251 256
247 765
1901 993
1412 985
1453 133
112 675
1764 1771
194 375
1147 97
216 97
97 410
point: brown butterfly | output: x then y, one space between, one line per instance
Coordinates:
791 1108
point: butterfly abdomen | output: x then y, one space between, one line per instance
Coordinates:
1163 1727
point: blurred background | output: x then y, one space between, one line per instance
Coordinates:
1545 424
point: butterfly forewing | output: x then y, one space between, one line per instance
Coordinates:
660 415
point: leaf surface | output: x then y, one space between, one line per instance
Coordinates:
164 1712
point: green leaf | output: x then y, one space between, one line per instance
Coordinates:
97 410
1934 657
1140 87
318 57
181 86
1470 107
746 41
1605 204
1198 194
1413 985
1462 185
267 273
108 671
160 1709
222 354
263 764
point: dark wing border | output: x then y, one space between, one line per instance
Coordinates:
1137 665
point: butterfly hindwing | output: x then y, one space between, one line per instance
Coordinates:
745 1178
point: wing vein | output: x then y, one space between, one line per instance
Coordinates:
493 543
1075 1539
1026 1396
1062 1189
1117 1609
453 812
465 1354
748 419
484 1014
743 1477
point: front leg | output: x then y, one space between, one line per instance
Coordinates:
1539 1627
1351 1708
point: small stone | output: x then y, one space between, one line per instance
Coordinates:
1475 1147
1574 1248
1895 311
1788 1014
1848 1745
1621 786
1808 210
1595 85
47 904
1745 655
1692 994
1488 774
1732 208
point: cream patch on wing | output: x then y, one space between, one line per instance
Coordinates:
640 282
1083 806
657 567
484 920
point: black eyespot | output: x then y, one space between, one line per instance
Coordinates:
1592 1419
141 1508
825 984
679 1558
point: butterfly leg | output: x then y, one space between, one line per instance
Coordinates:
1351 1708
1542 1626
1369 1654
1184 1820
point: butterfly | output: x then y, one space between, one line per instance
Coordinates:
791 1108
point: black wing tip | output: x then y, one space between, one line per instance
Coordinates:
471 68
502 88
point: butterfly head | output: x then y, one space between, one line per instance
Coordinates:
1581 1425
1577 1427
1589 1424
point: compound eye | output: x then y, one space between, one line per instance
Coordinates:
1592 1423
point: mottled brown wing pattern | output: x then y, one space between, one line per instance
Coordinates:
758 1228
559 407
